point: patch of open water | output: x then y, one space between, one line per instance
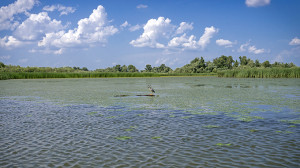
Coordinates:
80 123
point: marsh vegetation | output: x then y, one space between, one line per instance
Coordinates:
223 66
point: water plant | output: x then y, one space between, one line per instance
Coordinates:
91 113
156 137
171 116
204 113
186 117
211 126
133 127
253 130
286 132
291 121
123 138
110 117
140 115
245 119
222 144
128 129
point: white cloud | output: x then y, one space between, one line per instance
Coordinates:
7 21
208 34
184 42
9 42
22 61
243 47
36 26
161 61
254 50
161 29
222 42
90 31
141 6
251 49
153 30
257 3
135 28
295 41
5 57
62 9
125 24
183 27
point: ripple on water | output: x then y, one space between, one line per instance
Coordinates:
49 135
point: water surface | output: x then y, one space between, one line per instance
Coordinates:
190 122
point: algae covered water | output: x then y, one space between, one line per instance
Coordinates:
190 122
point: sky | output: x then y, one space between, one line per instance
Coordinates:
103 33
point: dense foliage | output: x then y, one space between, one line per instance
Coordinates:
225 66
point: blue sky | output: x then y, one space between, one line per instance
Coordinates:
103 33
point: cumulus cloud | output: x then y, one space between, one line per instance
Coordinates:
257 3
183 27
7 21
36 26
62 9
141 6
225 43
9 42
161 29
184 42
135 28
153 30
254 50
90 31
208 34
295 41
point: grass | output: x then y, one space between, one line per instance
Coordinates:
275 72
43 75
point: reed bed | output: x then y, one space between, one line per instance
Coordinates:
43 75
275 72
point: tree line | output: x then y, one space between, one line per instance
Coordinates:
197 65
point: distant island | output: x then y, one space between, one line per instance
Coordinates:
223 66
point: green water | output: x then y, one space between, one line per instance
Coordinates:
190 122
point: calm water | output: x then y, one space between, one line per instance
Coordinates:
191 122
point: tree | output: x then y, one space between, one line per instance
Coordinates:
117 68
195 60
257 64
202 63
236 63
124 68
244 60
148 68
251 64
164 69
266 64
2 65
85 69
223 62
132 68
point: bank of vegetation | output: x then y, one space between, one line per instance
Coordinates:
223 66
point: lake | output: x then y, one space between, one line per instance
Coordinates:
190 122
